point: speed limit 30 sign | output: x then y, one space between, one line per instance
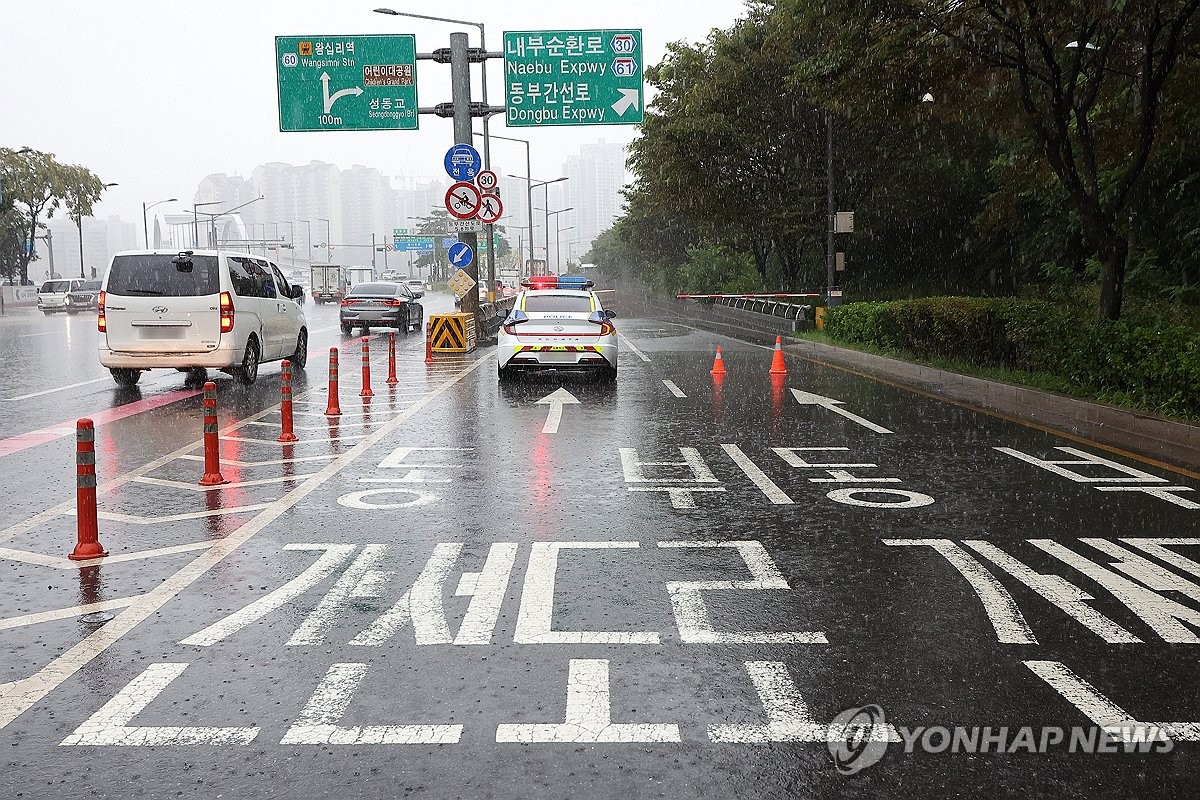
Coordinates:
486 181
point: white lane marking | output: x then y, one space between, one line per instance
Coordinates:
632 347
113 516
1060 592
68 506
536 615
325 565
65 613
556 400
767 486
65 563
304 441
318 723
691 615
486 589
1001 609
788 717
350 584
1059 467
808 398
588 714
57 389
110 725
268 463
1157 547
675 390
195 487
421 605
18 696
1104 712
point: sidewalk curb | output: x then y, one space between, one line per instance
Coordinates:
1173 442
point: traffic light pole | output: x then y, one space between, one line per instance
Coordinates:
460 95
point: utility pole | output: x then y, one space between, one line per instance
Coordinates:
49 239
460 95
831 215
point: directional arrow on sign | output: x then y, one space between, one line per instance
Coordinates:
330 99
556 400
810 399
628 99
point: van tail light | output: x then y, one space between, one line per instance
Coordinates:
101 322
226 312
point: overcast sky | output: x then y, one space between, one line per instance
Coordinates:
155 95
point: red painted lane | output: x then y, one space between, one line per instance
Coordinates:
23 441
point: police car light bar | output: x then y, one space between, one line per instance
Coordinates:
557 282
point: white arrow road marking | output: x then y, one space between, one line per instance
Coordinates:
556 400
810 399
330 99
628 99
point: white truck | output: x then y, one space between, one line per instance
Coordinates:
328 283
357 275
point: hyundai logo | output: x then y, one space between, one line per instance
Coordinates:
559 328
160 309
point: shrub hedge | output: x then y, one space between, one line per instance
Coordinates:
1140 362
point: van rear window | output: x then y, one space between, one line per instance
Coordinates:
158 275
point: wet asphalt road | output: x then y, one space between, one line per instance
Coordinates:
677 593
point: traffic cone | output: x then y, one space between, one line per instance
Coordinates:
777 365
718 367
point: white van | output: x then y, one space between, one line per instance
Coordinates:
198 309
52 295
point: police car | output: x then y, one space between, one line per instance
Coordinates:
557 323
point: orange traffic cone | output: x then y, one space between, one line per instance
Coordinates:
777 365
718 367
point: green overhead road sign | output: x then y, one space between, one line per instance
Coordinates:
347 83
578 77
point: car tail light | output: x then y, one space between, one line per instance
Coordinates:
607 328
101 322
226 312
394 301
349 301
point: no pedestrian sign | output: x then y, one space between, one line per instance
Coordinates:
346 83
576 77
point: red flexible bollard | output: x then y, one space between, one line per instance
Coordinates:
428 342
333 408
366 364
212 444
87 543
392 380
285 407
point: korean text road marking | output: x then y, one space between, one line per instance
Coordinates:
1086 465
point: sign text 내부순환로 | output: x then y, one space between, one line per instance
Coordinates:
589 77
347 83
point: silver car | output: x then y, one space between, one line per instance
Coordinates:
381 304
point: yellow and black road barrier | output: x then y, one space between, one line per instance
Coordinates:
452 333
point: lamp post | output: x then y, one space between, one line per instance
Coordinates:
534 184
487 143
196 217
328 236
528 187
79 222
308 250
145 225
558 242
557 260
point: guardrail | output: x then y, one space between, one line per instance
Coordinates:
492 315
775 305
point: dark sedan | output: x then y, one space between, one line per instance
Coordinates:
83 298
381 304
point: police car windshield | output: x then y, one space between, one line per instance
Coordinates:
557 303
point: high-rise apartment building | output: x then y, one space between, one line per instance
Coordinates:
597 176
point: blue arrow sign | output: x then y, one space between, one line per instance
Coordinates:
463 162
460 254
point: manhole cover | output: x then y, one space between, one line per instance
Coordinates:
99 618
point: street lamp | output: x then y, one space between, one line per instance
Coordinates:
528 188
487 143
196 217
558 242
546 184
212 218
308 250
79 222
328 237
557 259
145 225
